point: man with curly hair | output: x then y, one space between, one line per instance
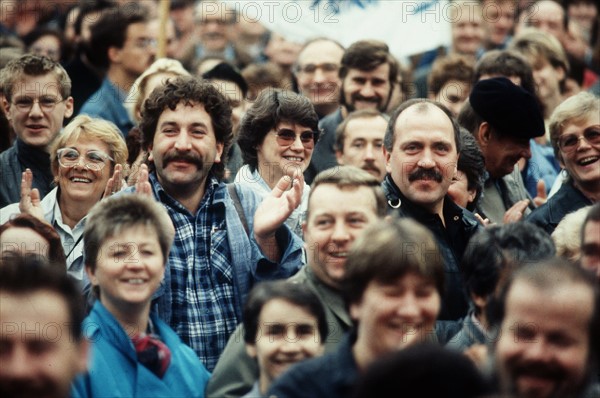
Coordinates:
226 238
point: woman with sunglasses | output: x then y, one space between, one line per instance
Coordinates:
277 138
86 160
575 135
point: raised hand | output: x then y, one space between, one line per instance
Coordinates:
30 202
142 185
274 210
541 197
515 213
114 183
277 207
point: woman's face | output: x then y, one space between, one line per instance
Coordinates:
21 240
396 314
129 268
278 156
578 155
84 168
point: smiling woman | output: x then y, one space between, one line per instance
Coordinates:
277 137
127 241
86 161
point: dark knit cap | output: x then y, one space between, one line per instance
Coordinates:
508 108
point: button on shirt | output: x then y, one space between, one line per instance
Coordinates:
202 280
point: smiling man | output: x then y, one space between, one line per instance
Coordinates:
503 117
548 332
359 141
316 72
341 206
37 99
220 249
421 147
368 73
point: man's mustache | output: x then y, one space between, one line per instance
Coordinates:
426 174
358 97
184 157
370 166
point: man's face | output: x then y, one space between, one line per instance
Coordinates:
317 76
582 159
282 51
172 43
395 314
139 49
543 348
287 334
499 18
467 30
363 145
184 148
367 90
38 355
39 125
336 218
501 153
214 31
423 158
548 16
590 248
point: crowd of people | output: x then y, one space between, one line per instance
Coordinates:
249 216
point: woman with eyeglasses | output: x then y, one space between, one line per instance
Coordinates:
575 135
87 160
277 138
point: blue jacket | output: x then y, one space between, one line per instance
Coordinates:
115 372
566 200
107 103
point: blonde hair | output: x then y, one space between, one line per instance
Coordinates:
89 127
567 235
137 92
574 109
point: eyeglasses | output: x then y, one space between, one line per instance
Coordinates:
310 69
94 160
570 142
286 137
47 104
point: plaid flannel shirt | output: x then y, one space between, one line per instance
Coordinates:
212 266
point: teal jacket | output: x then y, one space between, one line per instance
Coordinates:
115 372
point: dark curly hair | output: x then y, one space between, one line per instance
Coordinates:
189 90
273 106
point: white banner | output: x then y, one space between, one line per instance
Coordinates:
408 27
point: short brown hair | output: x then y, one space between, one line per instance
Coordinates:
273 106
367 55
340 131
451 67
190 90
387 251
33 65
350 177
